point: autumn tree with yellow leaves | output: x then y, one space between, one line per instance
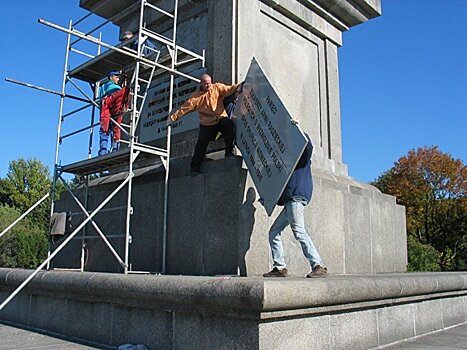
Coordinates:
432 186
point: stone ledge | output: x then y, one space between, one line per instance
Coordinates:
275 298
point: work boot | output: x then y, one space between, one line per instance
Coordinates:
318 271
275 272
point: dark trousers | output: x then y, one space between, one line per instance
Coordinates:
208 133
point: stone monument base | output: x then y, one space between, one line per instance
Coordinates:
217 226
187 312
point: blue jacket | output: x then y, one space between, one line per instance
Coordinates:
300 185
148 49
108 89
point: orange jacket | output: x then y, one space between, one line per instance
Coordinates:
207 103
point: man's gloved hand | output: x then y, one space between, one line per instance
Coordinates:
240 87
169 121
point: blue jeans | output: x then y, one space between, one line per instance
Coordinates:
293 215
105 139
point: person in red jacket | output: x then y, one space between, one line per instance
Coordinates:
208 102
114 100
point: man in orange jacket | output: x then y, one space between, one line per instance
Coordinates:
207 101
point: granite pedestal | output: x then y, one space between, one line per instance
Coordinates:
183 312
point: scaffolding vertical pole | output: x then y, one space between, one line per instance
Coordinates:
59 128
169 134
134 116
86 177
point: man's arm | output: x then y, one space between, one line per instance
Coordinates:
227 90
306 155
187 107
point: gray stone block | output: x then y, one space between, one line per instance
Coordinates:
186 226
400 240
146 224
356 330
357 230
88 321
211 332
428 316
17 310
395 323
141 326
382 230
54 310
253 249
453 311
307 333
328 230
221 218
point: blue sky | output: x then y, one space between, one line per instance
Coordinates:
403 82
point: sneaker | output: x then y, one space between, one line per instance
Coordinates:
318 271
275 272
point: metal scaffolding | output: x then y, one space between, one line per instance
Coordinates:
143 67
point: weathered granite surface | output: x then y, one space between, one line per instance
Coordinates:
217 226
223 312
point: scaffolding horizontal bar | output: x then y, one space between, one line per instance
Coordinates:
78 131
84 238
158 9
76 111
76 213
82 53
45 90
157 149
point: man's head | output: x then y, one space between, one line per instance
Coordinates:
114 76
206 82
127 35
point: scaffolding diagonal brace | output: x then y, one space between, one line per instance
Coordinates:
69 238
99 231
24 214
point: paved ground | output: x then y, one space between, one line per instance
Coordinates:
449 339
17 338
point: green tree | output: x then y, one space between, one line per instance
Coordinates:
25 245
25 183
432 186
422 257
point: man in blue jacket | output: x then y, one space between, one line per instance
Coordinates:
294 198
107 89
149 48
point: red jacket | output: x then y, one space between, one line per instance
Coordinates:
113 106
